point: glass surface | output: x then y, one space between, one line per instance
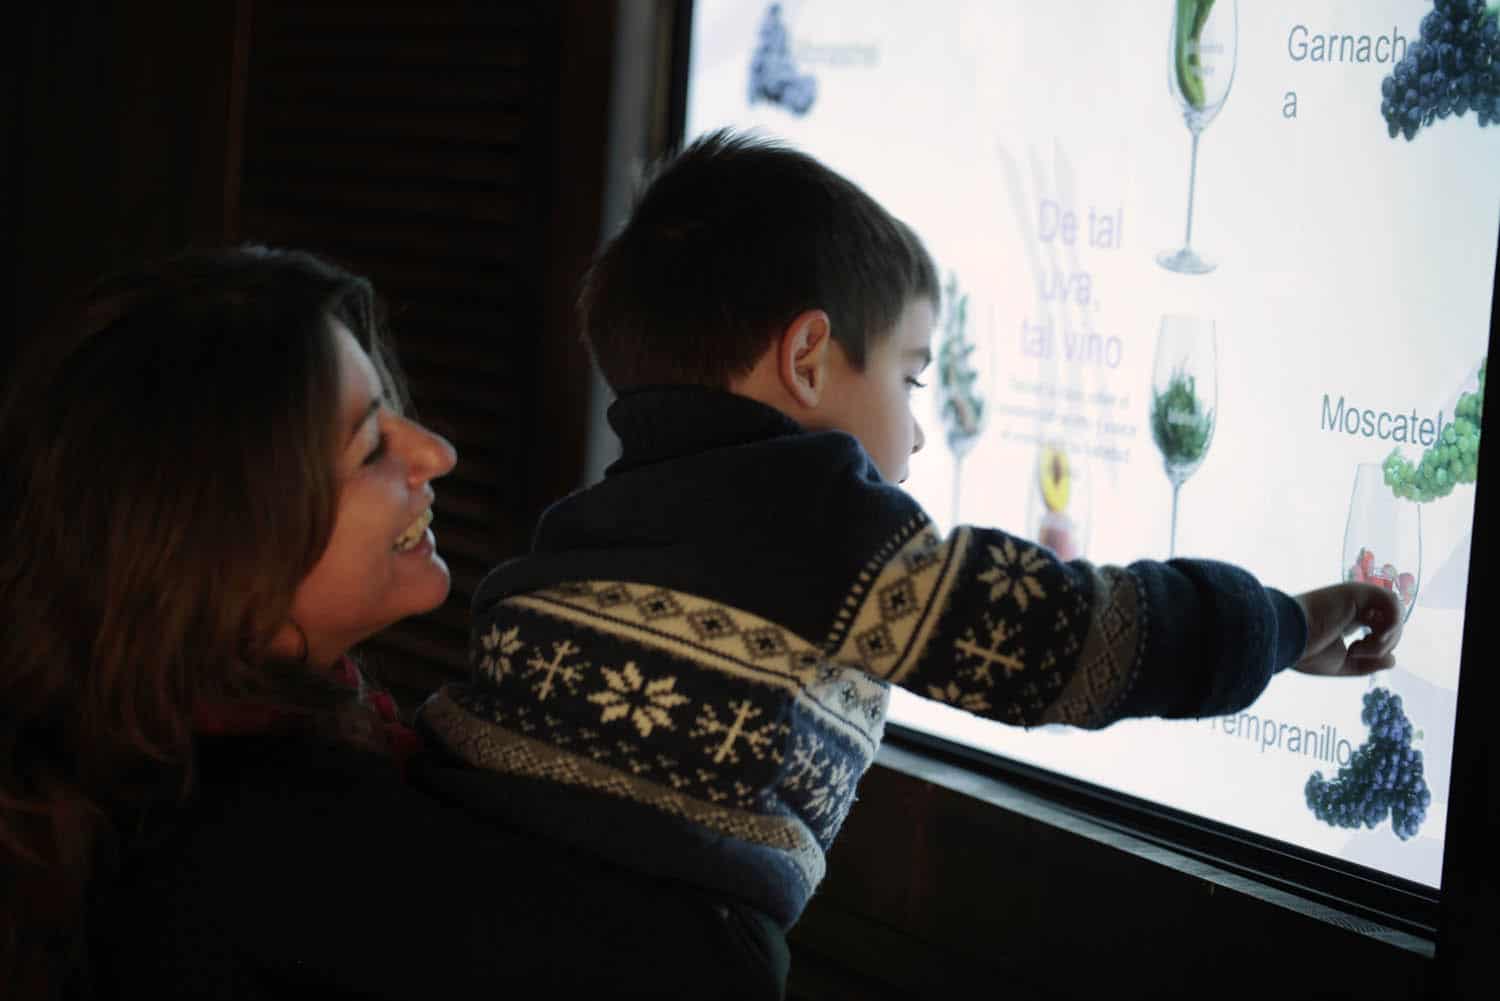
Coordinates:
1345 325
1383 538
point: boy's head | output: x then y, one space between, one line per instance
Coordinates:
749 266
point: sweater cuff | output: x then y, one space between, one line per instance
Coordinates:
1291 629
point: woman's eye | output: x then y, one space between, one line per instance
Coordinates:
377 451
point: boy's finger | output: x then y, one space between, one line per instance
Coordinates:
1378 644
1380 609
1329 660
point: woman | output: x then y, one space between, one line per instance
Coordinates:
211 495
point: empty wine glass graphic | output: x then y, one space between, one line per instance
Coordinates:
1383 538
1184 399
1202 68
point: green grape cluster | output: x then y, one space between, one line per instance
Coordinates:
1447 462
959 400
1180 425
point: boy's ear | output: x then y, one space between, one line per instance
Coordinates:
803 356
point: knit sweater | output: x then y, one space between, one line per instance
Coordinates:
690 671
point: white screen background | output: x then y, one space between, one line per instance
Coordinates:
1349 265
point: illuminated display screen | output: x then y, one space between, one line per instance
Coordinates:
1199 300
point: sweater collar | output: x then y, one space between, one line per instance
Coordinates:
666 422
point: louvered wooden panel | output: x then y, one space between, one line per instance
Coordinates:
418 144
121 140
13 56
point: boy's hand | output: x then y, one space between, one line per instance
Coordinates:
1333 611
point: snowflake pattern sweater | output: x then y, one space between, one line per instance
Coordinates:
690 671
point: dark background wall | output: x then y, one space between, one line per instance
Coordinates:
452 151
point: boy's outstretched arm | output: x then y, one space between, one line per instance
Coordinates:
1003 628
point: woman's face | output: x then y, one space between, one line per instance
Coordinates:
381 563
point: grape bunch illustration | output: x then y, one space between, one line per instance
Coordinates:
1180 424
773 76
1449 461
1452 68
1383 777
960 402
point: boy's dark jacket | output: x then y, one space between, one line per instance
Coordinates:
689 673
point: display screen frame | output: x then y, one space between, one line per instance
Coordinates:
1459 920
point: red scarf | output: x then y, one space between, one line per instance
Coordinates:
244 719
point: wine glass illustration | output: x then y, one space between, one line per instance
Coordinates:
1383 538
1184 399
962 409
1202 68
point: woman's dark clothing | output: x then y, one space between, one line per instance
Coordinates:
304 869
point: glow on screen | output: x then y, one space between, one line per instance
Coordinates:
1198 301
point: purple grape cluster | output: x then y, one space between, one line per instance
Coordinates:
1383 777
773 77
1452 68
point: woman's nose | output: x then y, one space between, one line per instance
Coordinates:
432 454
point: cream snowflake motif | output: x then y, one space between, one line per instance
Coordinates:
830 799
498 648
826 781
982 656
646 703
1012 573
804 768
550 672
726 739
974 702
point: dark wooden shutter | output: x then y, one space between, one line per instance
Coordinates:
453 153
120 128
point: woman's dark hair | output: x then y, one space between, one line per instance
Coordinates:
728 242
168 455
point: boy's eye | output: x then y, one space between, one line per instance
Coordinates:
914 383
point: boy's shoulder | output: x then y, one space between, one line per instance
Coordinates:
692 445
723 491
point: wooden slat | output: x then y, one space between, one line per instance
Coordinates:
462 387
435 50
496 352
477 501
332 16
314 158
504 85
379 232
468 204
497 123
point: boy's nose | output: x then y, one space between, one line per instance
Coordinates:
918 438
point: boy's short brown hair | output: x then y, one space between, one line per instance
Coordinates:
728 242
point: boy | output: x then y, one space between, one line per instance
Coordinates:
689 673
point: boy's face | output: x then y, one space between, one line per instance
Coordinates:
874 405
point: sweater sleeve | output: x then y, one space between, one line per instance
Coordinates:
1002 628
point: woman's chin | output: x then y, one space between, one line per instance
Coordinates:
425 575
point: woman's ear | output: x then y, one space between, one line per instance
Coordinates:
803 355
290 643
